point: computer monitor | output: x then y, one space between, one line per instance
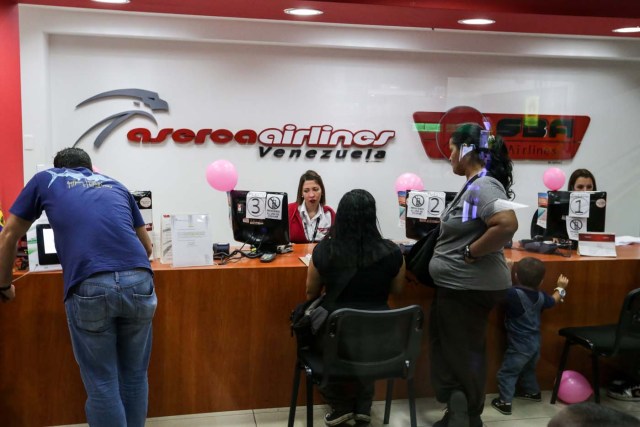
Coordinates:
260 219
47 254
559 206
417 228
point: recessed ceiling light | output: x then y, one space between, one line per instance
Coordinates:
627 30
303 12
112 1
477 21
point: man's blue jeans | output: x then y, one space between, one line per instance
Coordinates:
109 317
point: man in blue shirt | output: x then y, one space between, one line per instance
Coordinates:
109 294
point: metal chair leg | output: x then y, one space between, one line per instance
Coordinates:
294 394
596 377
563 362
309 382
412 402
387 403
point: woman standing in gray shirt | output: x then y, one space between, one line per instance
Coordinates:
470 272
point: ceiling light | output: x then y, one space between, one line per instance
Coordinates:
478 21
112 1
303 12
627 30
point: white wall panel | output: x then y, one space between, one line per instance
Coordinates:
259 75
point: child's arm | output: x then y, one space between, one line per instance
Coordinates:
560 291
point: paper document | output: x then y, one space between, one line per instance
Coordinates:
306 259
626 240
191 240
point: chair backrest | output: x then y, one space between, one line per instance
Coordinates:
629 322
372 344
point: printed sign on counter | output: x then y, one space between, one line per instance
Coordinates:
597 244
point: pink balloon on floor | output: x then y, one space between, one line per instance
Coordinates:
408 181
553 178
574 387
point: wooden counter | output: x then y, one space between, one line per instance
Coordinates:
221 335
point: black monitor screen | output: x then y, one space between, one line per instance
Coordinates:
558 210
47 254
417 228
264 233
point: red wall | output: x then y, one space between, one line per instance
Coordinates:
11 167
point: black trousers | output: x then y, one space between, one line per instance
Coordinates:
457 335
346 396
356 396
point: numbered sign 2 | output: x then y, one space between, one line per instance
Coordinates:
435 203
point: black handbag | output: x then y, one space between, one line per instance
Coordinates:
420 255
308 317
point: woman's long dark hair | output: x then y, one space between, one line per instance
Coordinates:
354 235
494 155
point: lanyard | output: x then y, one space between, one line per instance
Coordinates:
315 231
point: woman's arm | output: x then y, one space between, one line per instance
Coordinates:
397 285
314 282
501 227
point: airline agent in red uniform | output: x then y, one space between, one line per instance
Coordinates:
309 217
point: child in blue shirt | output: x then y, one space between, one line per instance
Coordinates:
524 306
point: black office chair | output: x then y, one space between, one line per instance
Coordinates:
363 344
603 340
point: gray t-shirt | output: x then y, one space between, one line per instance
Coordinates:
463 223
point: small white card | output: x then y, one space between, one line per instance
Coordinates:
597 244
274 206
425 204
575 226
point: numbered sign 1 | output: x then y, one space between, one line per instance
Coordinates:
579 204
256 205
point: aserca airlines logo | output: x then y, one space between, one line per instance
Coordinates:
147 97
289 141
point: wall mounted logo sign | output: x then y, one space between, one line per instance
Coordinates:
543 137
289 141
150 99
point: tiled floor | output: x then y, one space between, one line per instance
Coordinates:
525 414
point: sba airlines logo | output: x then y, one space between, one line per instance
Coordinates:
542 137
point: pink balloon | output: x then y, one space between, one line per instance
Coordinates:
408 181
553 178
222 175
574 387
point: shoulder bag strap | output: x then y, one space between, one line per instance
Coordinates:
342 284
461 192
